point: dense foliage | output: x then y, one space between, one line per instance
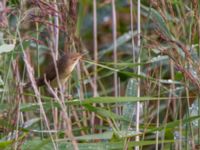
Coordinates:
106 87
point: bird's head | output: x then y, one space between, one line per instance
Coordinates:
73 59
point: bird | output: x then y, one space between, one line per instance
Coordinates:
65 65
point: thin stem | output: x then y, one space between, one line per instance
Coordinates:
56 30
115 45
95 46
65 116
139 73
95 94
132 39
158 110
35 89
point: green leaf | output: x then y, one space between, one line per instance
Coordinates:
110 145
157 18
120 99
92 100
38 144
63 144
129 108
126 133
105 113
5 144
103 136
120 41
174 124
5 48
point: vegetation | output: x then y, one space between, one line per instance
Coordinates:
137 86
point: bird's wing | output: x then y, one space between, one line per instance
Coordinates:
49 74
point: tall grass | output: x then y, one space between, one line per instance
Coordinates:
136 88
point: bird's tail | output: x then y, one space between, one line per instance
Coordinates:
39 82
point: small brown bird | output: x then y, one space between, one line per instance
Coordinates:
65 66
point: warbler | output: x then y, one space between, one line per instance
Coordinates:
65 65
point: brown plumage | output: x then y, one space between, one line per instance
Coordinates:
65 66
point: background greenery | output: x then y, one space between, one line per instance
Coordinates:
169 79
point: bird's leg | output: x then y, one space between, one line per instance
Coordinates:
65 94
68 97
